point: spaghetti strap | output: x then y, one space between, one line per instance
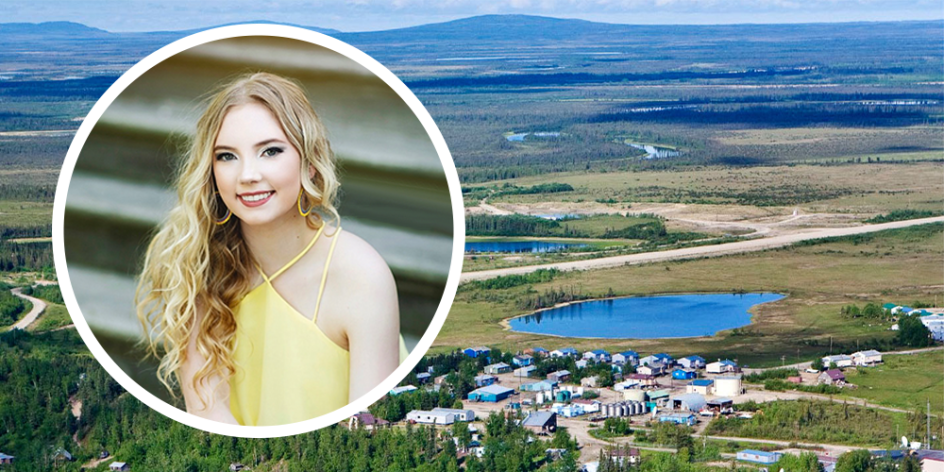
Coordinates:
277 273
324 276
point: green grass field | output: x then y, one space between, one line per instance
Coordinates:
854 188
55 316
903 381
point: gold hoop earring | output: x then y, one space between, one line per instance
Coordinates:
229 213
305 213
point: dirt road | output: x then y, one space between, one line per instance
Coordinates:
38 307
739 247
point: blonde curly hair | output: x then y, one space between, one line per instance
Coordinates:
193 265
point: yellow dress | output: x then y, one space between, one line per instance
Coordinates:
287 369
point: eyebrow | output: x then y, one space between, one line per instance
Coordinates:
257 145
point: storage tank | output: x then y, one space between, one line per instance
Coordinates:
539 398
728 386
634 395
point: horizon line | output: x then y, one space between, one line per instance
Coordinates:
760 23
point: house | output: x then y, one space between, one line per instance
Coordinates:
538 351
692 362
525 371
422 378
626 357
867 358
832 377
461 415
932 463
522 360
653 369
661 358
236 467
842 361
645 380
679 418
6 458
477 351
700 386
759 457
367 421
484 380
688 401
681 374
935 324
559 376
431 417
541 422
121 466
568 411
589 406
625 385
581 364
597 355
721 367
622 456
542 386
565 352
490 393
404 389
499 368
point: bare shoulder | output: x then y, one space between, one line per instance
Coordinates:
356 262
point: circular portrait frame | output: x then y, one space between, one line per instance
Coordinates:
273 31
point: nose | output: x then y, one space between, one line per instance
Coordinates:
249 173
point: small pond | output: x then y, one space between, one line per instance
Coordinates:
537 134
655 152
518 246
664 316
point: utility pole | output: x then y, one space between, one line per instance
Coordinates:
927 437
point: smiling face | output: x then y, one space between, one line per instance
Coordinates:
255 166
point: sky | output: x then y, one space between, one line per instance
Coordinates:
372 15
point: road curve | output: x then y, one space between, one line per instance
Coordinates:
700 251
38 307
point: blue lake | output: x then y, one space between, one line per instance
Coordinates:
518 246
666 316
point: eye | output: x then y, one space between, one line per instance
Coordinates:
272 151
225 156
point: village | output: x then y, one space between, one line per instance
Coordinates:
640 391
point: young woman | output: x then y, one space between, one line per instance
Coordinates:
258 305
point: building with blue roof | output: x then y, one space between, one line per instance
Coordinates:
692 362
476 351
491 393
701 386
626 357
682 374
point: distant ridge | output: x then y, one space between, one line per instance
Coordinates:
327 31
50 27
532 27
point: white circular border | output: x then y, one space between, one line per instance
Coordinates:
227 32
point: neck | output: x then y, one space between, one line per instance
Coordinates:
274 244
